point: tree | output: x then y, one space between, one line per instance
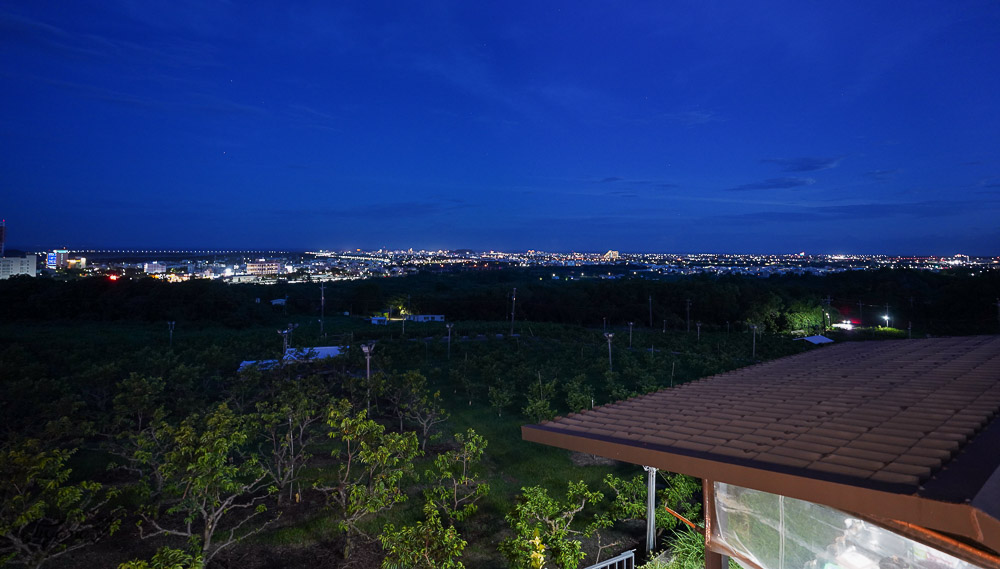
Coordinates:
424 545
539 397
42 514
579 393
455 487
501 395
211 477
538 515
287 423
141 432
678 495
426 411
404 391
372 466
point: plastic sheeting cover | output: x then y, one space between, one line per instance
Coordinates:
777 532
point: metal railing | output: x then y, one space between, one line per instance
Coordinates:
624 561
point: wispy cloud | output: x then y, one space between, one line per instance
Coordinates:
803 163
691 118
777 184
611 179
882 175
923 210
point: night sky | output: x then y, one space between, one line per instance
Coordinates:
700 126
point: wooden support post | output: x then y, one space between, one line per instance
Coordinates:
713 560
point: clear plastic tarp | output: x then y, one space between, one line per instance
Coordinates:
777 532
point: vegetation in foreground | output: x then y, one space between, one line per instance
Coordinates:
154 448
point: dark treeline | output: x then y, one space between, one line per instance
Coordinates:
933 303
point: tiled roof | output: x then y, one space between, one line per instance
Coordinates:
887 416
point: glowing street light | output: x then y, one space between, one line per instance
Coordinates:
886 320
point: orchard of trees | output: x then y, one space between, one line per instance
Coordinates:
124 445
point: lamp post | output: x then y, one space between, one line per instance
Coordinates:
448 326
886 317
630 324
170 327
753 354
609 335
698 326
367 349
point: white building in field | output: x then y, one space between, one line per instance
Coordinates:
11 266
425 317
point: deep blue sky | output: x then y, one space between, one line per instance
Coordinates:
678 126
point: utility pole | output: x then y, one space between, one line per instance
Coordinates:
650 311
687 302
448 326
513 305
170 327
604 323
698 325
322 308
286 339
609 335
664 326
753 353
861 320
630 324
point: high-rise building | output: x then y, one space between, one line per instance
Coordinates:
57 259
11 266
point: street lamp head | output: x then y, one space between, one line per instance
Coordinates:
608 335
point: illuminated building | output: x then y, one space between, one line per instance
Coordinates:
57 259
155 268
264 268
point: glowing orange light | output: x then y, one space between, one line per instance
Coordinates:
113 277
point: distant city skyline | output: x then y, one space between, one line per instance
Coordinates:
689 127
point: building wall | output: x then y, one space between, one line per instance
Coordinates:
264 268
10 266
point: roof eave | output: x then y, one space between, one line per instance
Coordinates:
964 520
